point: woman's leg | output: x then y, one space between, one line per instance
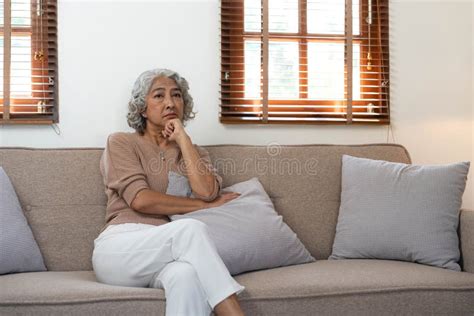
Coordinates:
229 306
135 258
194 246
183 290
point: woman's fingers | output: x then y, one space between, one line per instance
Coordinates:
223 198
170 128
175 123
229 196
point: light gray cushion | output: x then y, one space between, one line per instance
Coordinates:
178 185
248 233
19 251
400 211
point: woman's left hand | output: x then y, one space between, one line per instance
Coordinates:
174 131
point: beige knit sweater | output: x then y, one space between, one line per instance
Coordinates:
131 163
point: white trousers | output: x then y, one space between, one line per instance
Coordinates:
178 257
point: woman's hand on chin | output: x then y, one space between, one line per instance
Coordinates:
174 131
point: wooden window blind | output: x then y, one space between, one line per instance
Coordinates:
305 61
28 38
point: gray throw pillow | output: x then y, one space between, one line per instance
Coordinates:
399 211
19 251
248 233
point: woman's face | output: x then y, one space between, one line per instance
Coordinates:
164 102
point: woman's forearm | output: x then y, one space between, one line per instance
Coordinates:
201 179
152 202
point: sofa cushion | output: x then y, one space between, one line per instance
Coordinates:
399 211
74 293
355 287
248 233
66 185
19 251
63 196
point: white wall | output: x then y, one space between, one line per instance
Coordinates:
432 84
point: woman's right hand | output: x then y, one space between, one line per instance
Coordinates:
223 198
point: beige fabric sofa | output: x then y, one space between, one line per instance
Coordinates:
62 194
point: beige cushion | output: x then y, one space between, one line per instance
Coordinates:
62 192
466 231
355 287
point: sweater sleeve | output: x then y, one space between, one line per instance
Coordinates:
205 159
121 168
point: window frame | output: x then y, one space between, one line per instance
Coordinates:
42 32
232 99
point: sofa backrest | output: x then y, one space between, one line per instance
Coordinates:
62 192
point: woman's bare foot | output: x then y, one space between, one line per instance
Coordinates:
229 307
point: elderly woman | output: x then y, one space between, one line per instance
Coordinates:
139 246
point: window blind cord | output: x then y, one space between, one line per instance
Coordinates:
390 132
369 23
56 128
40 53
385 82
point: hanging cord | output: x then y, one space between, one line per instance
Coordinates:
56 128
40 12
39 54
390 131
43 88
385 81
369 23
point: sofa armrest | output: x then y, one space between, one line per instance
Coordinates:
466 231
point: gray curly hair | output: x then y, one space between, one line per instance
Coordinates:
141 88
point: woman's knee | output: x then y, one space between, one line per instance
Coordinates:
179 275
